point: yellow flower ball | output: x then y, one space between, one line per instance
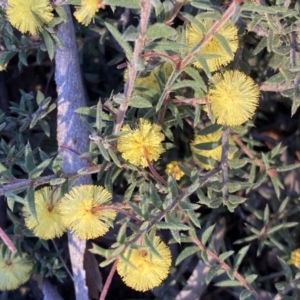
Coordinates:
174 170
144 141
214 153
295 258
86 11
14 270
47 224
233 97
149 270
30 15
83 212
228 31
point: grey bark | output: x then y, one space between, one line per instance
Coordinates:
71 132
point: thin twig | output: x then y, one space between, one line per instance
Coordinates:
7 241
21 184
108 280
132 71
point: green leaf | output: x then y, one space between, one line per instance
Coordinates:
209 129
280 226
129 191
50 46
245 294
114 157
99 123
236 199
134 4
5 57
117 35
38 170
121 237
225 44
207 233
29 160
159 30
155 197
235 186
240 256
5 172
286 269
62 13
225 255
188 251
57 181
192 72
228 283
287 168
139 102
30 202
208 145
213 272
14 197
175 226
172 187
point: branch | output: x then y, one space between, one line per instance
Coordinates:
132 71
71 132
226 267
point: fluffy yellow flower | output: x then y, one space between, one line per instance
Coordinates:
144 141
29 15
233 97
228 31
149 270
83 212
174 170
14 270
295 258
48 223
214 153
86 11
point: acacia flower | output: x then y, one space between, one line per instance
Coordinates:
141 143
47 224
228 31
149 270
174 170
87 10
214 153
14 269
233 97
29 15
295 258
83 212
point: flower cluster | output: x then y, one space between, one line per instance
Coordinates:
141 144
81 210
47 223
145 270
83 213
233 97
214 152
30 15
295 258
220 56
174 170
14 269
86 11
